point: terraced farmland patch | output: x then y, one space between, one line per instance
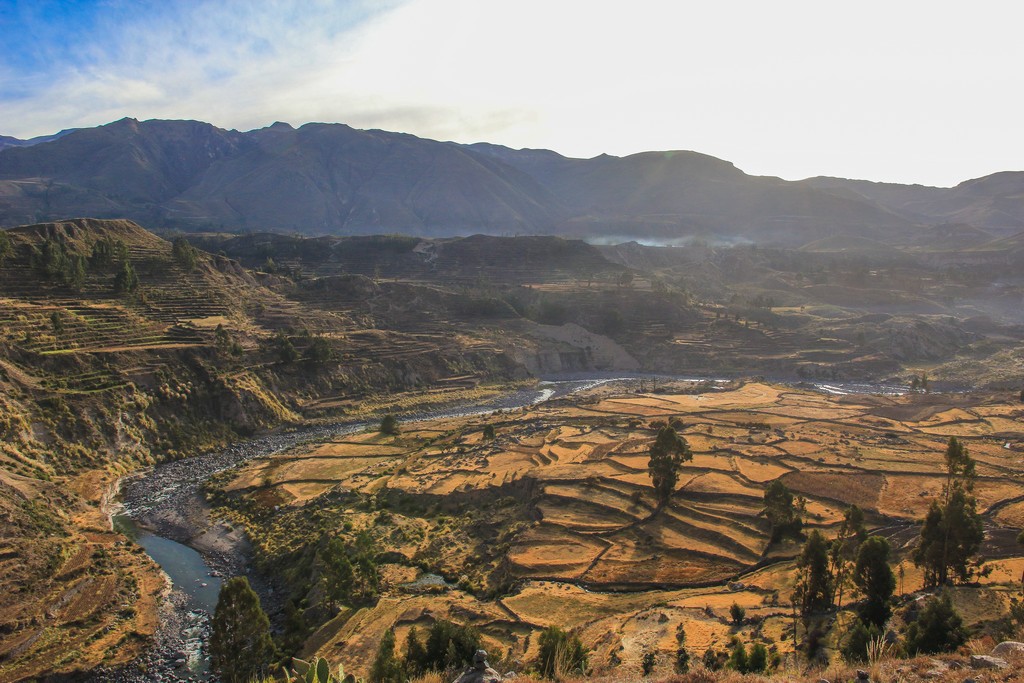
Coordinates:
560 510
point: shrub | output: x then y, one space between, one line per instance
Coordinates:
939 628
648 662
561 653
855 647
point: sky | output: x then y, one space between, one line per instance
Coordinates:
901 91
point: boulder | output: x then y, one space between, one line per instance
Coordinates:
1007 647
987 662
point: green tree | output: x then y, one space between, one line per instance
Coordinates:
561 653
240 643
875 580
286 351
953 530
757 660
386 668
939 628
57 323
682 659
449 646
319 351
813 592
185 254
488 434
668 453
737 614
738 657
781 511
126 281
843 550
415 653
389 425
336 571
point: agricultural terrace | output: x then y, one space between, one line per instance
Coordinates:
554 520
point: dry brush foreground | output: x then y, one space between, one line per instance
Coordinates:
554 521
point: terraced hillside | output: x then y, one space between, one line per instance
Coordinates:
119 349
554 521
822 311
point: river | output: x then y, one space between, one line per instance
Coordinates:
161 509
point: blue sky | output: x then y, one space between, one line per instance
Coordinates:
908 91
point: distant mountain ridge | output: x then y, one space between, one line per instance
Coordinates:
323 179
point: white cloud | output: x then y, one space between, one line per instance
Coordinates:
909 91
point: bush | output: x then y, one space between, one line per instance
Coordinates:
855 648
939 628
561 653
737 613
711 660
648 662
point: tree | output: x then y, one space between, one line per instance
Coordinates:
488 434
781 511
185 254
737 614
240 643
875 579
561 653
939 628
668 453
415 653
336 571
757 660
813 592
738 657
126 281
449 646
682 660
389 425
319 351
844 549
953 530
386 667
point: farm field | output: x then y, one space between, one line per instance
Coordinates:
554 521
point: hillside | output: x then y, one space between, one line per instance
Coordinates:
994 203
120 349
553 521
332 179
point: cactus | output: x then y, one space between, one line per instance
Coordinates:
318 670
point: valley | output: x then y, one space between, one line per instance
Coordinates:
122 350
553 521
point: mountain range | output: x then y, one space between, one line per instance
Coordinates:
333 179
